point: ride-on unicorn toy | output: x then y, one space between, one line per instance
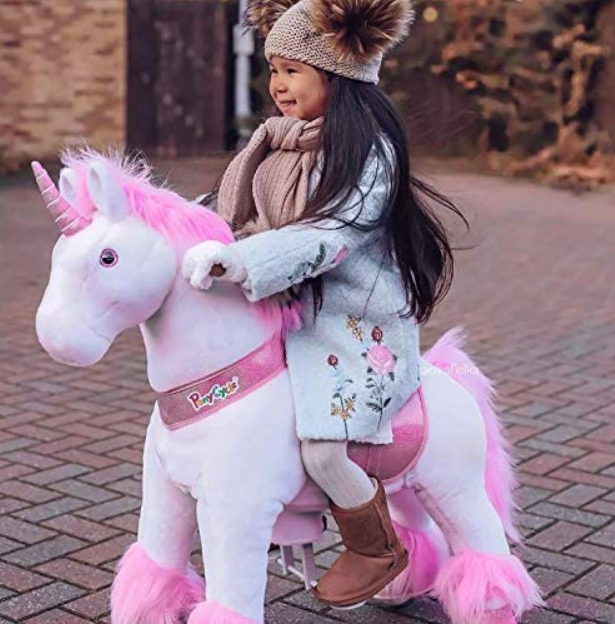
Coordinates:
221 450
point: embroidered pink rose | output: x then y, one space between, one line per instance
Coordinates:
381 359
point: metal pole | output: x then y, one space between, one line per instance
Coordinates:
243 47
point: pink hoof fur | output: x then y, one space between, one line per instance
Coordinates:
427 554
211 612
146 593
470 581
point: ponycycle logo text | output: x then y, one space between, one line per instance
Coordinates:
217 393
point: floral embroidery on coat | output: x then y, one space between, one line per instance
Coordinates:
310 267
343 400
381 363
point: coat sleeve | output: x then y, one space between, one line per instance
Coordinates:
278 259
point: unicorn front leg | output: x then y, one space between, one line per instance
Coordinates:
155 583
235 535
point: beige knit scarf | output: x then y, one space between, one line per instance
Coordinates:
266 184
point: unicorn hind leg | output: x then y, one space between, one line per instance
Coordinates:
155 583
427 548
482 582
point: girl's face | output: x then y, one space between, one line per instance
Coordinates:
298 90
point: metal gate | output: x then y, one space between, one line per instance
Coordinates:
180 76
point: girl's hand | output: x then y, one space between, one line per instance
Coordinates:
212 260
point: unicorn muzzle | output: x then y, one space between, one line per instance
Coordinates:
69 340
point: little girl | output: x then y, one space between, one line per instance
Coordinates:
322 196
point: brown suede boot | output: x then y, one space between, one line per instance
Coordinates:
374 555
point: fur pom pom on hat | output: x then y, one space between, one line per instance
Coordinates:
345 37
263 14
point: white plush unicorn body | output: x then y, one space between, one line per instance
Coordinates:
232 470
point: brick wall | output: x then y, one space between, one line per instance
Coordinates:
62 76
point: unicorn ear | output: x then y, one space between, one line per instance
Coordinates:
107 195
68 185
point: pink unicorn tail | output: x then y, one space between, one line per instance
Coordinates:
447 355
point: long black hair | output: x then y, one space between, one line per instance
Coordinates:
358 116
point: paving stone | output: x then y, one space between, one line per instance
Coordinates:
583 607
280 612
38 600
93 606
578 495
8 545
23 531
78 489
599 583
590 551
573 564
45 551
111 508
550 580
57 616
20 580
26 492
559 512
59 473
76 573
543 616
57 507
604 537
425 609
81 528
111 474
10 505
105 551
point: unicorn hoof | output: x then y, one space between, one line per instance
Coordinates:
211 612
147 593
470 581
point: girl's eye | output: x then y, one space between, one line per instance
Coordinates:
292 71
108 258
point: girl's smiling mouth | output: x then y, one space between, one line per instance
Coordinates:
286 105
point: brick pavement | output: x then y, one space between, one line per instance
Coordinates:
538 299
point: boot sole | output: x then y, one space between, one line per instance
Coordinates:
349 607
358 601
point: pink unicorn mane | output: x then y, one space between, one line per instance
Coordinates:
161 208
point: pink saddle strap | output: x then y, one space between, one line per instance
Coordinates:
203 398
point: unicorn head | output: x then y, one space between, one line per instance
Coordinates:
118 256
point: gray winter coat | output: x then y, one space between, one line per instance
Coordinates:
355 364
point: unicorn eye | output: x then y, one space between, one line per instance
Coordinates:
108 258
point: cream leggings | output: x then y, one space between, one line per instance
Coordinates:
345 483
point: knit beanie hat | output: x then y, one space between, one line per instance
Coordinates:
344 37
